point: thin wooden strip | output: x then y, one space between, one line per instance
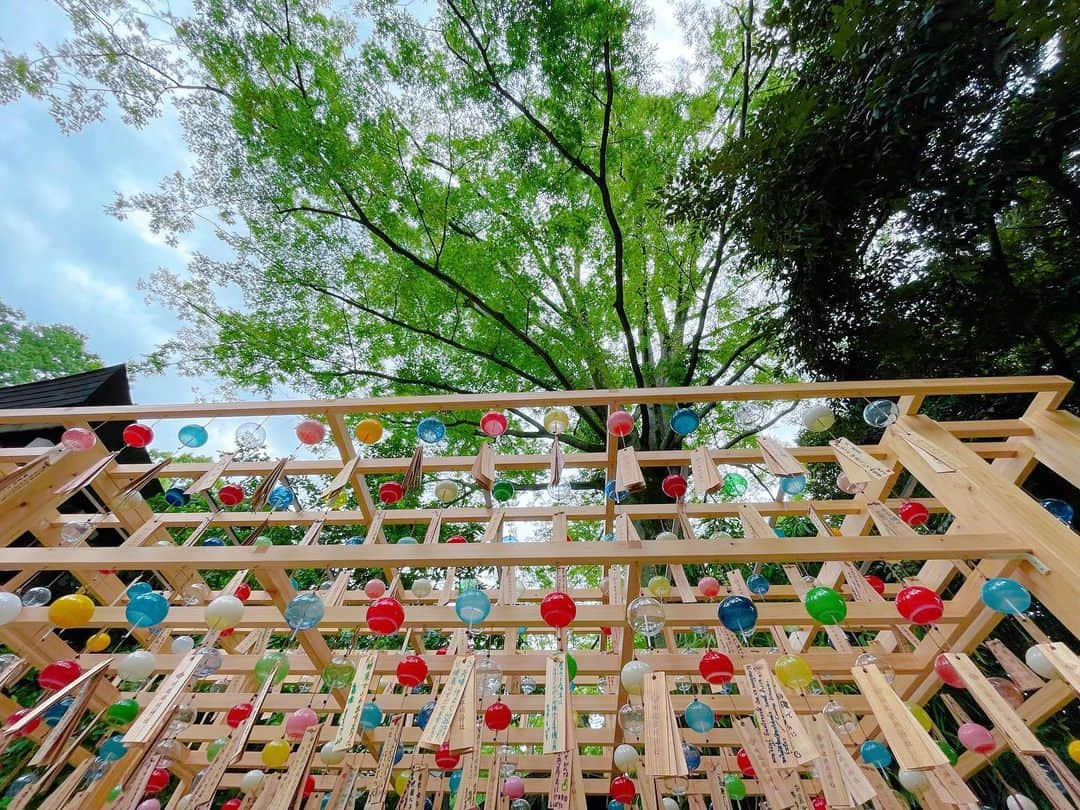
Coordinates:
289 788
828 769
470 777
628 475
556 690
562 775
38 710
754 525
778 459
210 477
377 786
820 525
1065 661
706 477
939 460
884 798
415 472
22 477
311 536
493 530
262 491
57 799
858 465
141 481
434 528
438 728
785 738
1044 783
354 700
953 788
64 728
1016 669
854 777
341 480
1004 717
908 741
87 476
768 778
887 521
1068 780
483 467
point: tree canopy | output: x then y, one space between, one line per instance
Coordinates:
34 351
471 199
911 186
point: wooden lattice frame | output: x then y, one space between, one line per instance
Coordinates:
998 531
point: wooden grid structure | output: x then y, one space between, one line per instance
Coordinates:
972 469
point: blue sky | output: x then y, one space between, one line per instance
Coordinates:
62 258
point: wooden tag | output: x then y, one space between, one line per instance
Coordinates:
65 726
785 739
939 460
556 689
776 792
434 528
11 673
647 792
1044 783
859 587
908 741
836 635
262 491
625 531
820 525
754 525
483 466
728 643
342 796
682 584
135 786
354 701
415 473
341 480
778 459
415 791
706 477
859 466
828 769
628 476
290 786
59 797
376 798
717 791
555 467
470 777
314 529
858 786
203 796
577 782
1070 782
1016 669
210 477
42 706
884 798
663 746
954 790
438 728
137 483
463 731
887 521
1004 717
87 476
19 479
561 776
265 797
1065 661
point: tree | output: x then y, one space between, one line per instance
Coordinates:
32 351
911 187
470 201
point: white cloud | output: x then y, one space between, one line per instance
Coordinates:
108 306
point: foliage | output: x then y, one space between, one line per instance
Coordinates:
33 351
461 200
910 187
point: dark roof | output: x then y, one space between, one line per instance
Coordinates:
102 386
